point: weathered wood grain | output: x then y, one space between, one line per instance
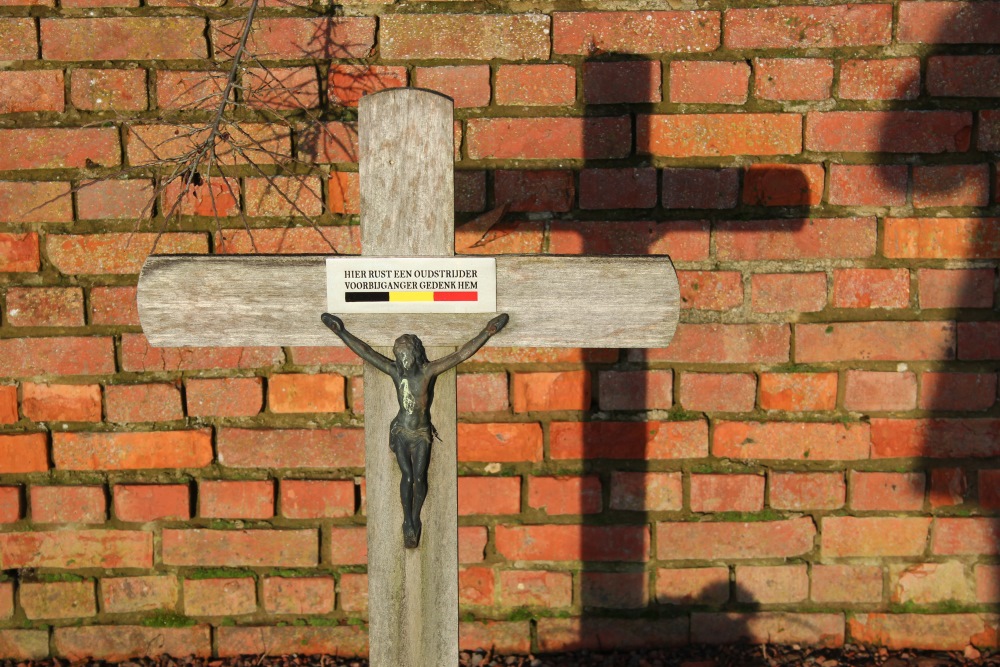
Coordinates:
553 301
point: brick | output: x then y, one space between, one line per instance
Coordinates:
949 22
718 392
320 38
24 644
951 185
59 148
345 640
124 595
143 403
734 541
18 39
963 76
978 340
614 590
590 33
989 489
110 306
783 184
955 288
290 393
347 84
39 90
535 588
139 355
354 592
299 196
960 536
635 390
949 487
507 636
929 583
475 586
765 627
819 238
989 130
709 82
77 549
298 595
684 241
887 491
44 306
23 453
815 441
241 548
482 392
943 632
470 192
465 36
24 357
236 499
330 142
700 188
847 583
565 390
877 391
688 586
565 495
224 397
32 201
316 499
942 238
257 142
489 495
596 634
808 27
343 193
215 198
290 241
118 199
284 88
536 85
870 537
132 451
798 392
467 85
503 238
875 341
108 89
6 601
792 78
646 491
727 493
888 131
890 79
548 138
618 188
8 404
987 583
629 82
573 542
146 38
349 545
867 185
68 504
19 253
10 505
189 90
772 584
546 355
502 443
220 597
61 402
291 448
726 344
120 642
935 438
57 599
117 253
628 440
152 502
710 135
807 490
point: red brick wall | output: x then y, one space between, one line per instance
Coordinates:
812 460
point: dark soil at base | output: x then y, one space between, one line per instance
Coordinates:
688 656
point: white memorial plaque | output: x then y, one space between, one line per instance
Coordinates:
411 285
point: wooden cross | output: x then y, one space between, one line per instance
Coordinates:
407 182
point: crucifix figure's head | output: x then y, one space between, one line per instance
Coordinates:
409 351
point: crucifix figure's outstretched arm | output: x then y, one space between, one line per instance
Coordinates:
358 346
439 366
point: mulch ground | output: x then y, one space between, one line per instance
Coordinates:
689 656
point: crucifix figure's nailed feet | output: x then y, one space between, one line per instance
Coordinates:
411 431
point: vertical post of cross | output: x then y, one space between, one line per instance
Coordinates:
406 158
